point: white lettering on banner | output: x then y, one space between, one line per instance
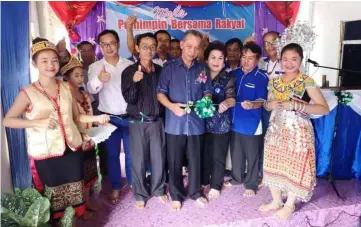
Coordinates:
191 24
165 13
230 24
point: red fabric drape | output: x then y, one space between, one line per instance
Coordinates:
71 14
285 12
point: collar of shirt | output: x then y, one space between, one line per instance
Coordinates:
180 62
228 67
133 58
252 72
120 61
166 59
221 74
143 68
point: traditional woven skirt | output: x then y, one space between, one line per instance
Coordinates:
64 176
90 168
289 155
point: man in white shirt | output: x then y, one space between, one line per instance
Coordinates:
271 64
105 78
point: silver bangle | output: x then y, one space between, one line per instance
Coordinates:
303 107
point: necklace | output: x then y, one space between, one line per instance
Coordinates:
48 97
269 73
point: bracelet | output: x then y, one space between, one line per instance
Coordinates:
303 107
299 106
291 105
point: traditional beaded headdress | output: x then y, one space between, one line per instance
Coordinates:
73 63
43 45
301 33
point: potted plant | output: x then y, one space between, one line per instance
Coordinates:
29 208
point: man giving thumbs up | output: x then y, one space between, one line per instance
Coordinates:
105 79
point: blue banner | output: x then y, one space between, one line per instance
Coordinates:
220 20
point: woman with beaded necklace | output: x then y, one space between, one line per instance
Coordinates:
289 155
73 73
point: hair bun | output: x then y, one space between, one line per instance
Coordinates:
38 40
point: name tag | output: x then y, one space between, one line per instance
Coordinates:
250 85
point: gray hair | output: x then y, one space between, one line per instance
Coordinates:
194 33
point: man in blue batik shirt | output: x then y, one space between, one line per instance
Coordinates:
246 137
181 81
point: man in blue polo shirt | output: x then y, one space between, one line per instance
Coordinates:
181 81
246 137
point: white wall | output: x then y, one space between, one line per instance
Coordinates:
326 18
305 11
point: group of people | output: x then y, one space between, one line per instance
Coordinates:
262 115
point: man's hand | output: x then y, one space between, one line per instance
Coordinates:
131 21
177 109
138 75
104 76
247 105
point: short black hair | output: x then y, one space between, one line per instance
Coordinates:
144 35
175 40
108 31
218 41
38 40
271 33
295 47
234 40
214 46
254 48
193 32
160 32
84 43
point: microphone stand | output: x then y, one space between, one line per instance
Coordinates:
330 177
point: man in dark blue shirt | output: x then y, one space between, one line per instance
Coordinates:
246 137
181 82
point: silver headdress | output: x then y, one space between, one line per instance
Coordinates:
301 33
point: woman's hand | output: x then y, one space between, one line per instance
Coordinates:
103 119
288 105
275 105
223 106
51 122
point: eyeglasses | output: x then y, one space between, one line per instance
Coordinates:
268 44
107 45
145 47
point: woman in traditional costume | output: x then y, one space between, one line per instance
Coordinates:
73 73
289 156
53 140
